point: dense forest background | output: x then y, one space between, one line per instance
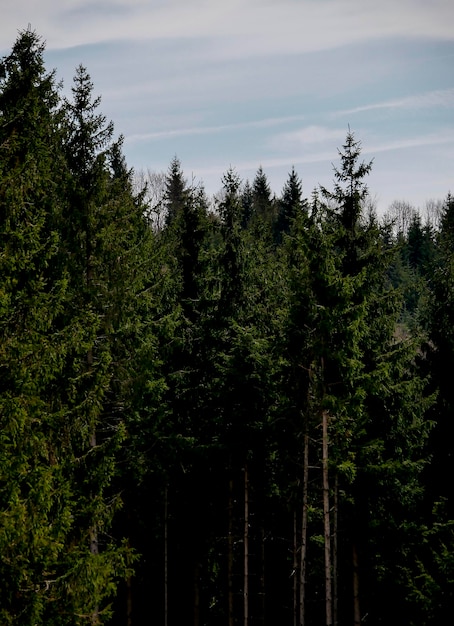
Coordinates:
231 411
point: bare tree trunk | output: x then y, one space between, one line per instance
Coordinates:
356 605
197 593
335 549
326 522
166 555
262 574
303 551
246 548
230 553
89 273
93 531
129 601
295 568
94 550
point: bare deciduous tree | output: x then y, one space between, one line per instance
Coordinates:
153 185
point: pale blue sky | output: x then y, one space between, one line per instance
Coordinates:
276 83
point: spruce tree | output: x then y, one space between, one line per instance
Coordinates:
176 191
379 363
433 590
354 383
51 575
106 240
289 205
33 345
247 201
263 204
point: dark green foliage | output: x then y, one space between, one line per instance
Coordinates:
343 357
263 204
247 202
439 318
176 191
33 343
290 205
163 393
57 355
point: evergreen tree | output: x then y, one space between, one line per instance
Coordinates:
105 238
379 365
176 191
33 345
263 205
290 204
247 201
345 367
433 588
52 576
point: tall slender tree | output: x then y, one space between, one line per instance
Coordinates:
33 344
105 238
53 575
290 204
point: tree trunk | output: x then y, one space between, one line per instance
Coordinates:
93 531
326 522
94 550
230 553
262 574
197 592
129 602
295 571
246 548
166 555
303 551
356 606
335 549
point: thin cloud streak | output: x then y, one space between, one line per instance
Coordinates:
237 28
329 155
433 139
260 81
438 98
210 130
302 137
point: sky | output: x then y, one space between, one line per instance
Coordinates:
270 83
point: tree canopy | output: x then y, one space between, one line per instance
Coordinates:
239 413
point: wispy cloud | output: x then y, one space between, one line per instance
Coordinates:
441 137
220 82
326 154
269 164
302 138
237 28
210 130
432 99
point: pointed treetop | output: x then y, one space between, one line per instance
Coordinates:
351 173
24 76
89 133
230 204
176 190
350 190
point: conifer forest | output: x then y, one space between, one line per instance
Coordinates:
228 411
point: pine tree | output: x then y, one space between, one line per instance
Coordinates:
432 588
33 294
351 379
378 364
51 576
263 205
290 204
105 238
176 191
247 202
